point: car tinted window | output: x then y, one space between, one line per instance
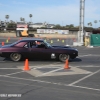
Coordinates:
27 45
14 43
37 44
20 44
48 45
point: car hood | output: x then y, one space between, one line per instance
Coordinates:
5 46
64 47
0 46
61 46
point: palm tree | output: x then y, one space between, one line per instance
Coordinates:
95 23
21 19
89 24
30 15
99 22
7 17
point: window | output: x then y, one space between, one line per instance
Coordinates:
27 45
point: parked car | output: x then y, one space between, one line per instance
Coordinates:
37 48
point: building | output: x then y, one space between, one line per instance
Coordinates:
41 25
3 24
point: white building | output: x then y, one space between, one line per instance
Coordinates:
41 25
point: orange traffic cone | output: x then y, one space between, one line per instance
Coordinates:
20 38
2 43
26 67
8 38
66 65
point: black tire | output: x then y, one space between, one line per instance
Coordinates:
63 57
15 57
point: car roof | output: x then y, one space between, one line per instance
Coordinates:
31 39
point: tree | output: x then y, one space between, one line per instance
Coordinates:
99 22
7 17
11 25
30 15
57 26
71 26
89 24
22 19
95 23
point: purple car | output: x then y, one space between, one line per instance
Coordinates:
37 48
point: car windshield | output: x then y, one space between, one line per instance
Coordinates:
14 43
47 44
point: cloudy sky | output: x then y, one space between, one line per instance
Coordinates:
63 12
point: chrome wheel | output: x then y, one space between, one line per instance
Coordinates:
15 56
63 57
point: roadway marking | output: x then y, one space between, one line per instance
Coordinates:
36 71
9 68
56 72
50 72
47 82
42 66
85 87
84 78
85 55
15 73
88 55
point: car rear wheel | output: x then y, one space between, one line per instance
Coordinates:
15 57
63 57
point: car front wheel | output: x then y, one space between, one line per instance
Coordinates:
15 57
63 57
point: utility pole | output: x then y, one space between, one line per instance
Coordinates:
81 23
81 32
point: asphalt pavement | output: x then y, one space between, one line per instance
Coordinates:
48 80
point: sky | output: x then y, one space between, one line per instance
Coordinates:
63 12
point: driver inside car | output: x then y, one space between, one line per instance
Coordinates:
35 44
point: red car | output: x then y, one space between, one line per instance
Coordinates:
37 48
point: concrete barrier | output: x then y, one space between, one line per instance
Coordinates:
7 35
64 36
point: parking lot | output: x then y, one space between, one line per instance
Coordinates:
48 80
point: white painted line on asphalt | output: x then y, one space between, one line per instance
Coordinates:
95 55
42 66
90 66
47 82
50 72
84 55
88 55
26 79
84 78
9 68
85 87
15 73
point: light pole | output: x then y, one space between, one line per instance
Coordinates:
81 23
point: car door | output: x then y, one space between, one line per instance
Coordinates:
26 50
41 51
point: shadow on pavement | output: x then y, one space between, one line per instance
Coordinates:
75 60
